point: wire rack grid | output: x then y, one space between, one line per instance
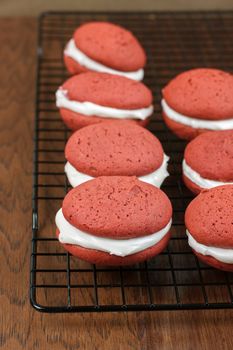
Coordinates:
175 279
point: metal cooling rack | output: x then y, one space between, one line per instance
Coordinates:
175 279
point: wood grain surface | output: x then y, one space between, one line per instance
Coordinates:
21 327
35 7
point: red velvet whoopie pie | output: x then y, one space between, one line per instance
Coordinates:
115 220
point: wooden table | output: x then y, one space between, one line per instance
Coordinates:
21 327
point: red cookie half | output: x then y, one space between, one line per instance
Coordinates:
202 94
208 219
114 148
117 208
108 44
117 97
210 155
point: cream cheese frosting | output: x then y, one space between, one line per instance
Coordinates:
224 255
71 50
119 247
155 178
196 178
194 122
90 109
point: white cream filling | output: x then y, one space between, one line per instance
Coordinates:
196 123
224 255
120 247
72 51
90 109
198 180
155 178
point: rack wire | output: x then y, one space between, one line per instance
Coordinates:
175 279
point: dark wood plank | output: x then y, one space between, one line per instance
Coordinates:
21 327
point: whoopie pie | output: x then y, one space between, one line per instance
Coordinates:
114 220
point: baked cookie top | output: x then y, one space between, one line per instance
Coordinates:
110 45
117 207
211 155
114 148
201 93
209 217
108 90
